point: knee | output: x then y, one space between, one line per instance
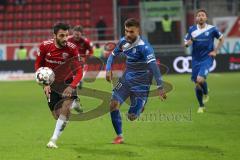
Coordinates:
114 105
200 80
132 116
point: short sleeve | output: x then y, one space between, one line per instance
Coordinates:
216 33
188 36
149 54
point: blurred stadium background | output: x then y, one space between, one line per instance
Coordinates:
26 123
29 22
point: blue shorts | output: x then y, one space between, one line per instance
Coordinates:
137 91
201 68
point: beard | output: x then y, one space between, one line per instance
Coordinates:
61 43
131 40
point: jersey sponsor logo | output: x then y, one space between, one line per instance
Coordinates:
54 62
206 33
65 55
134 50
182 64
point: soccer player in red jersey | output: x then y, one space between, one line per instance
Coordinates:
63 58
83 44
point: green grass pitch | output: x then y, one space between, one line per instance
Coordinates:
170 130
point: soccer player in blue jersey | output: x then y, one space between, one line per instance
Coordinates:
135 83
201 36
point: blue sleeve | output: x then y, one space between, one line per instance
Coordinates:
109 62
148 53
188 36
151 61
119 47
216 33
156 73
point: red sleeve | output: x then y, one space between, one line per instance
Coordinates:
40 57
78 69
89 47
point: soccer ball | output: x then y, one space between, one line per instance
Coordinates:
44 76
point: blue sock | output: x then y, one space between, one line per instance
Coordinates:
205 88
117 122
199 94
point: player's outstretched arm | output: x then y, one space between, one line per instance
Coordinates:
188 43
47 91
158 78
108 68
219 45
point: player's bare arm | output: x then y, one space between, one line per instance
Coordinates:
109 76
219 44
47 90
68 92
188 43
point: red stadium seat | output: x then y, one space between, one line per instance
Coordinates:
28 8
37 15
28 16
1 26
48 24
10 33
58 7
10 8
57 15
67 15
76 7
37 1
48 7
2 8
19 16
18 8
48 1
38 7
18 25
11 1
19 33
27 24
9 25
68 7
47 15
9 17
86 6
1 17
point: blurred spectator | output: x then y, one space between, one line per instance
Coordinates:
101 28
229 5
3 4
98 51
167 29
20 2
22 53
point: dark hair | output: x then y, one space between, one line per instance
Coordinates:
78 28
59 26
202 10
131 22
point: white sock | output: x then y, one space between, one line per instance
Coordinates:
73 104
60 125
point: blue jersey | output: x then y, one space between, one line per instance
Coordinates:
203 41
138 54
140 63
